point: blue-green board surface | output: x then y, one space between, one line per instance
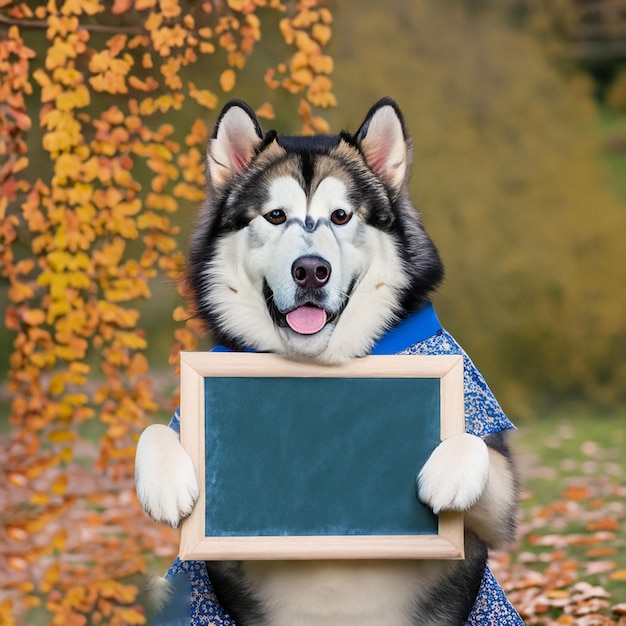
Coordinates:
318 456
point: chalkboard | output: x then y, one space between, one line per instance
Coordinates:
300 461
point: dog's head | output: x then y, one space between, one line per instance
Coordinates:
309 246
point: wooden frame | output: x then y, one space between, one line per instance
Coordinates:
445 543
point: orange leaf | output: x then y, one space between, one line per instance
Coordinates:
606 523
16 533
17 563
121 6
34 317
577 493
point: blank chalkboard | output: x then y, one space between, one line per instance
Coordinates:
301 461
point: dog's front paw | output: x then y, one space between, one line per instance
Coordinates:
455 475
165 477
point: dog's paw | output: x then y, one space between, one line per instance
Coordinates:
455 475
165 477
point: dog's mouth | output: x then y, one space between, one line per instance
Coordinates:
305 319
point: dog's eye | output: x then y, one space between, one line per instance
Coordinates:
277 216
340 217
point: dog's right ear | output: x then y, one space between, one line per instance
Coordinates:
235 138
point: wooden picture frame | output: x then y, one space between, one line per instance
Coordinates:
327 515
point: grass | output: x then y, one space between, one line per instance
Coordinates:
573 519
613 127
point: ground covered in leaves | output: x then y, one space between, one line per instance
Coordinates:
569 566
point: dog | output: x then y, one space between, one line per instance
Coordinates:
309 247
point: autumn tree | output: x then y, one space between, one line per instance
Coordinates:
103 113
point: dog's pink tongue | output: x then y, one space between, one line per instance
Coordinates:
306 320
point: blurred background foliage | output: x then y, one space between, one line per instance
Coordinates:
510 172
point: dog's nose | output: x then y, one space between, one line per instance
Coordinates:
310 272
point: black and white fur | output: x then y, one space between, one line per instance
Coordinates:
310 247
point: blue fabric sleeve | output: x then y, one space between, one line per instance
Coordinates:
204 609
175 422
492 607
483 414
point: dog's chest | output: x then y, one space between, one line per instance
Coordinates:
341 593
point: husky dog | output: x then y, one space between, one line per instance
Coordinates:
310 247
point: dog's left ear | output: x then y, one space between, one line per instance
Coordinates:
236 136
383 141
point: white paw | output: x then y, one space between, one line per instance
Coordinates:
455 475
165 477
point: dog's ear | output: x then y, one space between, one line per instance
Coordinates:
233 144
383 141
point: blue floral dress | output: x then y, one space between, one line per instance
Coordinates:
422 334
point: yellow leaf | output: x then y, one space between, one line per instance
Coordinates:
75 399
206 47
304 19
91 7
203 97
60 436
130 616
58 54
59 486
303 76
131 340
227 80
117 431
321 33
59 540
118 591
20 164
237 59
40 498
325 15
154 21
322 64
298 61
305 43
52 575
